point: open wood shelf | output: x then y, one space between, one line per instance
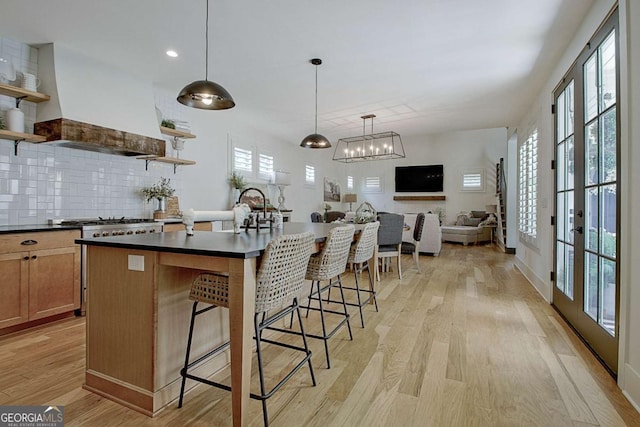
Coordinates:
171 160
176 133
19 136
23 94
418 198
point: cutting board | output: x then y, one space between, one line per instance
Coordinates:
173 207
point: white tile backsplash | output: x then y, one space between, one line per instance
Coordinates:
46 181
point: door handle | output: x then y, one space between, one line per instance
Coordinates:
578 229
29 242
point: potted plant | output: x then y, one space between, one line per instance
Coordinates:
159 191
238 183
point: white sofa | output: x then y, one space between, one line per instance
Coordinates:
431 240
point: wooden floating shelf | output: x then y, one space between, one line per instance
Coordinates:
176 133
19 136
418 198
23 94
172 160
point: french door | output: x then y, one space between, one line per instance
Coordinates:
586 290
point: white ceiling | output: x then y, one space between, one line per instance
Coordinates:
422 66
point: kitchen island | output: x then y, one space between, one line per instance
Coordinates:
138 311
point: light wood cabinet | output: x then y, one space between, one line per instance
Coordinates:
40 275
14 304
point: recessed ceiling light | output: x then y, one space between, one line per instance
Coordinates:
172 53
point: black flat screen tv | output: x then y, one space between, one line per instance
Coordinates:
419 179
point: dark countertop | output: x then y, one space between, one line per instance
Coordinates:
8 229
244 245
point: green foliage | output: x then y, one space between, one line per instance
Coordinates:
237 181
168 124
159 190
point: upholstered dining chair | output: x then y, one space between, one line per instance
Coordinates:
279 281
333 216
390 240
316 217
413 247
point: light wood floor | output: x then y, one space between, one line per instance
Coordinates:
466 343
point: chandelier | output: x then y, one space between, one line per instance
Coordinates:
374 146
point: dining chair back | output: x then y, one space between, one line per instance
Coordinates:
390 239
413 247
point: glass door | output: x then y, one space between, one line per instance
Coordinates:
587 225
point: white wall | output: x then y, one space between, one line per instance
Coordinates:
456 151
536 262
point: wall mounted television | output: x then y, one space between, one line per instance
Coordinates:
417 179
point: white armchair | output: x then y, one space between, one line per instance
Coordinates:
431 241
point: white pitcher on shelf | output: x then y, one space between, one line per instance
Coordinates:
30 82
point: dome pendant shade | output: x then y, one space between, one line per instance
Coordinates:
205 95
315 140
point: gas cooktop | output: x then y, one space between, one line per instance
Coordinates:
105 221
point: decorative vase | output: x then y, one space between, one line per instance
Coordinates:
15 120
161 211
235 194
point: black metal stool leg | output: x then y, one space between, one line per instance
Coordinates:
344 305
258 331
355 274
304 340
183 372
372 284
324 327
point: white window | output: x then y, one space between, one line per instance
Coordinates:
372 184
309 175
242 160
472 179
265 167
528 183
349 182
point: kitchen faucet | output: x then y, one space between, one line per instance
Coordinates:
249 220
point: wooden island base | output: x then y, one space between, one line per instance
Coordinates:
138 321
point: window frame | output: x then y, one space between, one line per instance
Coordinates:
528 187
481 172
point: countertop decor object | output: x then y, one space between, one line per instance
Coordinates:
204 94
159 191
350 198
282 180
315 140
373 146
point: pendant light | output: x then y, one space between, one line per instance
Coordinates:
205 94
315 140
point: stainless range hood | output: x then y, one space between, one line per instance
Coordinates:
95 106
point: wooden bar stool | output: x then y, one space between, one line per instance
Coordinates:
279 281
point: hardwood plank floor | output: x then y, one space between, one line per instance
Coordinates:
468 342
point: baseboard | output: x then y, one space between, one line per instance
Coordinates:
631 385
539 285
510 251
